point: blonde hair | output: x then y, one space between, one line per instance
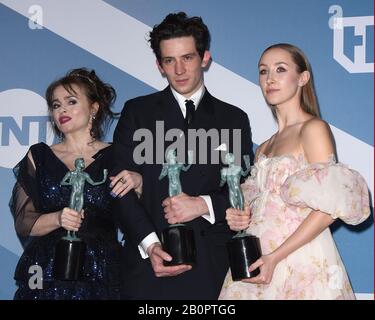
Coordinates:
309 101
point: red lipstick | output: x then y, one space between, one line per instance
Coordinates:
64 119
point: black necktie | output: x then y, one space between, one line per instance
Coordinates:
190 109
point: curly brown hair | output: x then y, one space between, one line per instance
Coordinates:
96 91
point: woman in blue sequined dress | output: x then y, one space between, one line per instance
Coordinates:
79 105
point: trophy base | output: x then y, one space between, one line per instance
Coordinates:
69 259
178 241
243 251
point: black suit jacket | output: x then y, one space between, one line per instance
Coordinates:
138 218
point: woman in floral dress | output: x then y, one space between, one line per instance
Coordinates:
295 192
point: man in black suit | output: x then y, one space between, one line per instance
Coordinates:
181 47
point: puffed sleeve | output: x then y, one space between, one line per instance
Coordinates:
24 198
332 188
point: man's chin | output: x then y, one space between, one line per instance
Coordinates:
183 90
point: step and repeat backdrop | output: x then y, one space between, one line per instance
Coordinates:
41 40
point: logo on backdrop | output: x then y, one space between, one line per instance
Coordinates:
23 121
340 25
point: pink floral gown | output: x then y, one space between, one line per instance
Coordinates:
281 192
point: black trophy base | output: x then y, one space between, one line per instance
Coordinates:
69 260
178 241
243 251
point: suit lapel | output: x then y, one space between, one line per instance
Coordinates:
169 111
204 115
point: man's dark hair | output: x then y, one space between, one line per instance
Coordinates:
177 25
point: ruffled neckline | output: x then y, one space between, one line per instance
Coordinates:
299 159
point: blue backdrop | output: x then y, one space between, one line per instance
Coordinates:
41 42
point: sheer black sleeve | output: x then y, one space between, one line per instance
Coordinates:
24 201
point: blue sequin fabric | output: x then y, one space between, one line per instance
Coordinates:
102 262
